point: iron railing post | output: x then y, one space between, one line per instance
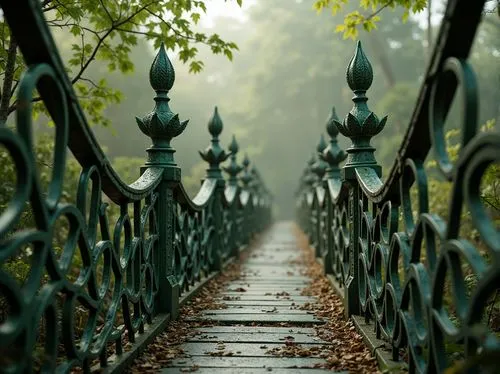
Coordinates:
360 125
214 154
233 170
333 156
162 125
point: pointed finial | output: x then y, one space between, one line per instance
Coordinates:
214 154
161 124
332 154
360 124
233 147
321 145
246 178
319 167
359 72
161 74
233 169
246 161
331 124
215 124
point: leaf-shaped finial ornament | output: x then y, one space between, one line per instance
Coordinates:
161 124
359 71
214 154
332 124
233 147
233 169
332 154
215 124
319 167
360 121
321 144
360 124
161 73
246 178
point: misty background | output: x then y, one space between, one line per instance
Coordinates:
278 92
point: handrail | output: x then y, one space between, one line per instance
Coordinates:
389 260
417 141
38 47
121 265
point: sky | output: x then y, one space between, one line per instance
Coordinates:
229 8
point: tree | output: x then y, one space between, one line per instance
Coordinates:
107 30
368 13
292 80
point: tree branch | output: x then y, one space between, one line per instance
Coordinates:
102 38
380 9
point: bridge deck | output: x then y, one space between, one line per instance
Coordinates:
263 320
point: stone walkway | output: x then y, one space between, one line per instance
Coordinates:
263 320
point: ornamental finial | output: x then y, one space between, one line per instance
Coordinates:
321 144
360 124
359 72
215 124
161 74
332 154
319 167
233 169
360 121
246 178
161 124
310 175
214 154
233 147
332 123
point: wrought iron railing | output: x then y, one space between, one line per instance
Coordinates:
391 265
132 275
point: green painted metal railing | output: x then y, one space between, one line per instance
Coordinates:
393 272
134 273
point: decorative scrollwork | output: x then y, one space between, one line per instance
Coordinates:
128 251
423 286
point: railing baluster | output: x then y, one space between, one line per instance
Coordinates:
135 270
424 285
215 155
162 125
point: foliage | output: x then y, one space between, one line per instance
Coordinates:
367 15
107 31
440 195
19 264
490 184
398 102
44 154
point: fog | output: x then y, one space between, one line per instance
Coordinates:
277 93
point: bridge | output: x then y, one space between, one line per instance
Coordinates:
213 284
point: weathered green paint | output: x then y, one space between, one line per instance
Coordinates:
377 260
133 269
234 168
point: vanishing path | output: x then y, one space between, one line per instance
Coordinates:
263 321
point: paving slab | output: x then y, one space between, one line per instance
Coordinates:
262 312
237 349
248 362
253 318
256 329
219 370
265 296
262 338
